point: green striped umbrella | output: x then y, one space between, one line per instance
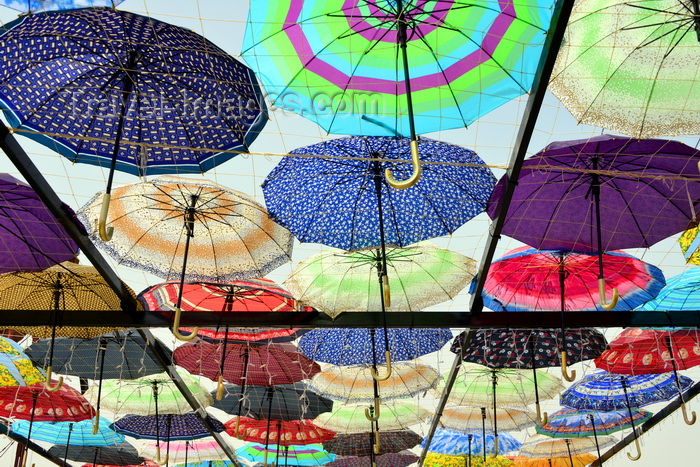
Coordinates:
351 418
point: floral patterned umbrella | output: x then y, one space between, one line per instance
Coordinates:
173 427
284 433
459 444
37 404
16 369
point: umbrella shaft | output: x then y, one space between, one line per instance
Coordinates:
401 26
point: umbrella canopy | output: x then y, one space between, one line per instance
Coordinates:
580 460
73 433
629 66
312 454
515 388
341 61
237 296
281 402
260 365
641 351
681 293
37 404
184 451
16 369
611 391
528 279
471 419
278 432
126 356
351 418
571 423
119 454
361 444
383 460
544 446
689 242
158 69
232 236
335 192
457 444
354 383
31 237
419 276
639 205
530 348
137 396
351 346
37 6
433 459
173 427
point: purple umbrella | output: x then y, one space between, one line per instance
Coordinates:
603 193
30 236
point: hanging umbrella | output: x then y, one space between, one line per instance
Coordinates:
469 419
418 276
38 6
185 451
527 279
433 459
209 463
580 460
237 296
73 433
680 293
572 423
173 427
351 418
280 402
66 286
145 463
16 369
191 229
457 444
312 454
630 66
360 444
689 242
81 332
384 460
165 67
544 446
31 237
278 432
119 454
352 346
36 404
602 194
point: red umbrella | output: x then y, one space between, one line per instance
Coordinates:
37 404
644 351
280 432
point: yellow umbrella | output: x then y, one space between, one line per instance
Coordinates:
580 460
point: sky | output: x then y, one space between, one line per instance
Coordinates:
492 137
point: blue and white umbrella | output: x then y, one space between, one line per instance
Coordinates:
451 443
682 292
73 433
37 6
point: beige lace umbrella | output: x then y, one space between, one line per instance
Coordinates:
544 446
398 415
469 419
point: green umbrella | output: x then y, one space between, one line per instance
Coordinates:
351 418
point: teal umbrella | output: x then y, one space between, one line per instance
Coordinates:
69 433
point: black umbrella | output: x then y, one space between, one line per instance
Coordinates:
119 454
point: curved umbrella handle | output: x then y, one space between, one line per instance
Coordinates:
691 420
374 373
105 232
176 325
542 418
603 301
415 176
96 422
158 459
220 388
377 444
47 383
564 372
639 451
387 291
375 417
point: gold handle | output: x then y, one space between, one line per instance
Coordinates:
415 176
603 300
542 418
105 232
376 376
375 417
639 451
688 421
96 423
220 388
377 445
495 446
569 377
387 291
176 325
47 383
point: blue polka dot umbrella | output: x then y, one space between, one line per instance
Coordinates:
120 90
37 6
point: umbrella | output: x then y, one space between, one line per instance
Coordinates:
312 454
689 242
360 444
470 419
209 463
351 418
68 433
383 460
66 286
351 346
119 454
237 296
185 451
572 423
283 433
154 79
144 463
679 294
280 402
630 66
544 446
458 444
16 369
601 194
580 460
419 276
31 237
172 427
433 459
36 404
191 229
527 279
37 6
